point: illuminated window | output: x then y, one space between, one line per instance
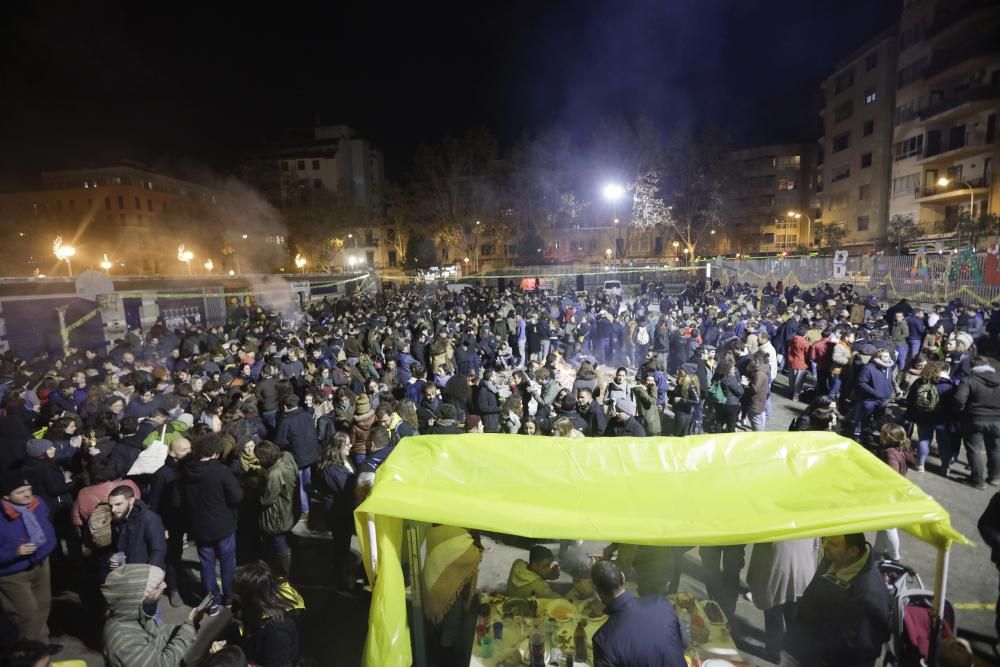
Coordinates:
870 96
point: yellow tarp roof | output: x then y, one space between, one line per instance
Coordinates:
703 490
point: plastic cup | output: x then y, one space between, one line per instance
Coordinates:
498 630
486 645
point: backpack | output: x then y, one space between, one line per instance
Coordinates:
99 525
642 336
716 394
841 355
927 397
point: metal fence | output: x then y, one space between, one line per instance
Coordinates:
924 277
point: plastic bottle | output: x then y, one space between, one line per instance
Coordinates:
580 642
533 606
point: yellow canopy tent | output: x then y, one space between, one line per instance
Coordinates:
702 490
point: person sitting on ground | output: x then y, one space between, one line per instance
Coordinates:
269 636
533 576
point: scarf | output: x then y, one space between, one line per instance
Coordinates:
452 562
36 535
848 573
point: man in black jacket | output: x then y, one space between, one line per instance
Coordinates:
164 499
623 423
989 528
977 400
137 530
297 434
266 392
210 498
591 413
842 619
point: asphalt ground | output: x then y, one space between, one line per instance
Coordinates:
333 627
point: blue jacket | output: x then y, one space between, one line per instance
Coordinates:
141 537
875 382
917 327
639 632
13 534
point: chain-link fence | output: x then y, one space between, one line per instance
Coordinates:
924 277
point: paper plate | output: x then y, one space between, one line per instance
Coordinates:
717 662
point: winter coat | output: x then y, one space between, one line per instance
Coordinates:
489 410
821 353
90 496
522 582
361 432
795 353
989 527
732 388
131 637
779 572
297 433
755 394
630 428
875 382
977 399
595 418
916 327
163 496
839 624
210 497
943 413
48 483
276 644
13 534
277 500
648 411
141 536
639 631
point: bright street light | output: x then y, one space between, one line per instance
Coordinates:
613 191
63 253
185 256
231 272
106 263
798 216
209 265
300 262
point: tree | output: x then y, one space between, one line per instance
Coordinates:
829 234
319 222
975 229
902 229
695 177
530 247
420 253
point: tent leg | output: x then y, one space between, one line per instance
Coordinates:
372 547
940 591
416 580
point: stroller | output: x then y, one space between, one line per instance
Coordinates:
911 623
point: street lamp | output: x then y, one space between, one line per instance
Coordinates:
63 253
106 264
614 192
300 262
185 256
209 265
608 253
945 182
352 260
798 216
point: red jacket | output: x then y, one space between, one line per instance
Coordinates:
821 352
795 353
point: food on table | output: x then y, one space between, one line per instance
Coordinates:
699 634
561 610
685 601
713 612
514 607
594 608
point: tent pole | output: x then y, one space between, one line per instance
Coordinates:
372 547
940 591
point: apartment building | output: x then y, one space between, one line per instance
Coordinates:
947 98
769 207
854 162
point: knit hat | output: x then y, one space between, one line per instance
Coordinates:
12 480
37 447
472 421
626 406
964 338
186 418
362 405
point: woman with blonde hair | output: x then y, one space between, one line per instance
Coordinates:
562 427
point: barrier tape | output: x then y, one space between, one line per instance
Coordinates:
197 295
571 274
80 322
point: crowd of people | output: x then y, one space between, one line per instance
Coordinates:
271 420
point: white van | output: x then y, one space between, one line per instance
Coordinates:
613 287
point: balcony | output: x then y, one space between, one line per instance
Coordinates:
956 190
966 102
972 143
946 17
972 52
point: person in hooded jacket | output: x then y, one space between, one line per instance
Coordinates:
297 433
487 403
211 497
132 637
336 478
623 422
47 480
164 498
977 400
277 501
362 425
874 387
270 606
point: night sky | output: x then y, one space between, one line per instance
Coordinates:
85 83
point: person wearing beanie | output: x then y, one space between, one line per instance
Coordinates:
473 424
27 537
296 433
132 637
362 425
623 423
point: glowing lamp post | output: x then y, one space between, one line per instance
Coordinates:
300 262
106 264
185 256
63 253
209 265
614 192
